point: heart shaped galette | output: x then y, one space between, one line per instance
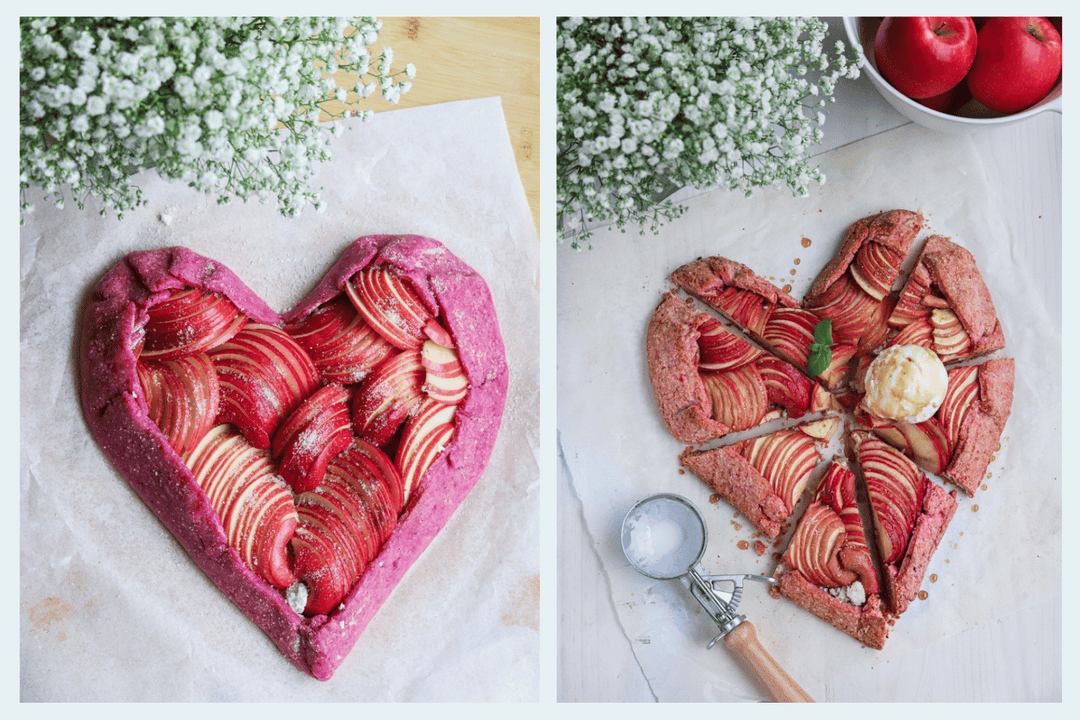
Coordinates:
906 363
304 461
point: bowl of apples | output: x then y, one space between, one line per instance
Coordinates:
958 74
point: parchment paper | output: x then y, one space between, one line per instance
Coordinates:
112 609
1002 549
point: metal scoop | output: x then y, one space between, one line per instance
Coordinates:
664 537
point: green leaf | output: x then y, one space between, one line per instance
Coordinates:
823 332
819 360
820 353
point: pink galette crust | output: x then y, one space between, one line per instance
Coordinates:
672 355
705 278
981 430
736 480
867 623
116 414
902 581
895 229
952 269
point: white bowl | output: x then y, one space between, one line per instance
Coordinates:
974 115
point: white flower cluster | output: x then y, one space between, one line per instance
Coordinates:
644 103
229 105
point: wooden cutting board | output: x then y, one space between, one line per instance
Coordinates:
468 58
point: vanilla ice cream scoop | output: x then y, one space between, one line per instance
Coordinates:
905 383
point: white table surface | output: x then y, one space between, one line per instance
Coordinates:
1018 657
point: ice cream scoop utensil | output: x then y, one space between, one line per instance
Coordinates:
664 537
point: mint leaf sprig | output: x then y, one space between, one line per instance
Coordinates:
821 349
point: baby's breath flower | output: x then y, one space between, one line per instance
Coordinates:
646 103
230 105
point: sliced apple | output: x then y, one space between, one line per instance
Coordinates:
445 378
815 547
960 394
255 507
720 349
387 396
917 332
789 333
182 397
745 307
423 439
822 429
739 397
909 305
785 385
343 347
875 268
319 565
188 321
951 340
849 307
785 457
318 429
390 304
896 487
839 368
263 375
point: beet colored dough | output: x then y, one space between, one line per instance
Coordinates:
116 414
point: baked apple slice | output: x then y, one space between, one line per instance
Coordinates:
854 289
390 304
910 514
387 396
946 303
762 477
827 567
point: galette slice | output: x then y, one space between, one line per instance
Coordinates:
910 515
761 310
854 289
710 382
827 568
763 477
958 441
946 306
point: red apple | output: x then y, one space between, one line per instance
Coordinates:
317 430
255 508
423 439
387 396
264 375
1018 62
391 305
343 347
739 397
924 56
182 397
187 321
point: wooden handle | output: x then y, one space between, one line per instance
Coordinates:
743 641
